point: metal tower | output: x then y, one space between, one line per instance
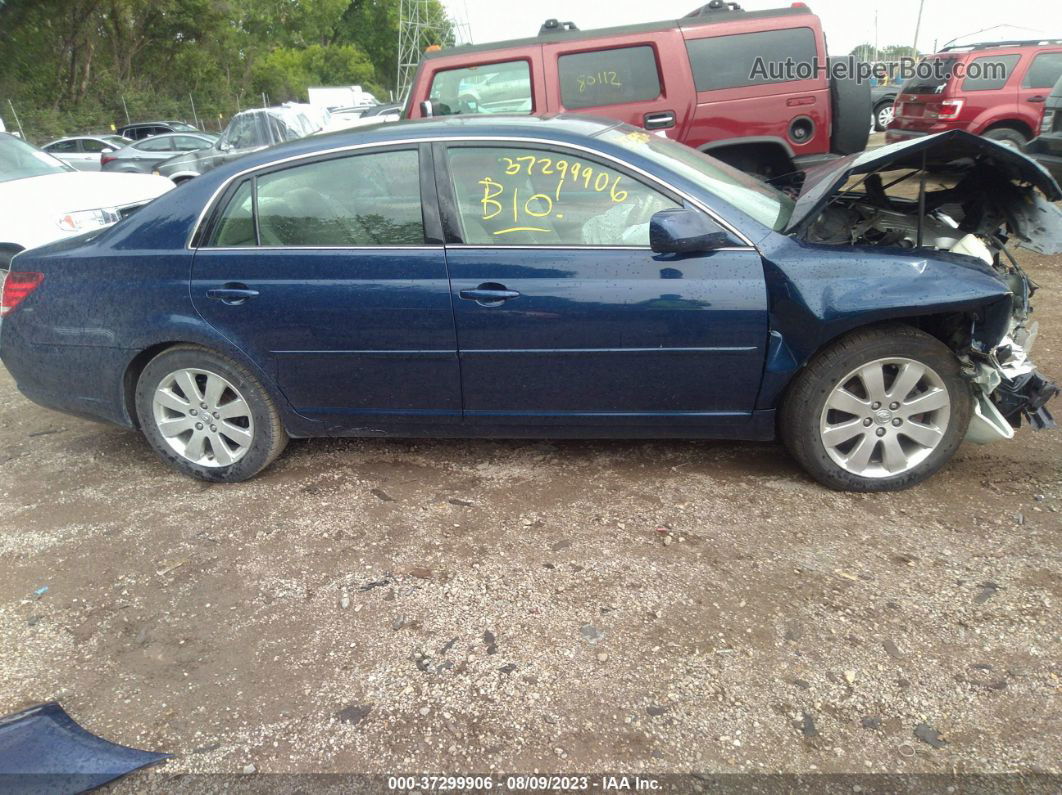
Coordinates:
420 23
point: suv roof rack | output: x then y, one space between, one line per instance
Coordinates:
692 20
714 7
988 45
556 26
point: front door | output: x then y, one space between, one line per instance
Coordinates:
566 317
330 275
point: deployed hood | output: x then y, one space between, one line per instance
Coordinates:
1039 224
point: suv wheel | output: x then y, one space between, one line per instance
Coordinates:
208 416
1007 137
879 410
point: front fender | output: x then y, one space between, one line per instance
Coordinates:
818 293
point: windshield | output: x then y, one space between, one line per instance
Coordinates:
116 140
757 199
19 160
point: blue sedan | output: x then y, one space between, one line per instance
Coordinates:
563 277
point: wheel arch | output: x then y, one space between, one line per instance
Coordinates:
1018 125
295 423
955 328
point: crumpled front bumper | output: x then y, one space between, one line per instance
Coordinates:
1008 389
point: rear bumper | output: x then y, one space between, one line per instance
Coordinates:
86 381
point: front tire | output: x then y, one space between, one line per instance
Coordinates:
879 410
207 416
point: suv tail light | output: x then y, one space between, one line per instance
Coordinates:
17 286
1048 121
945 109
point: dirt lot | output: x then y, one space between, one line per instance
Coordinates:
511 606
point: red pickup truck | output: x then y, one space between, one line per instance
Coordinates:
753 88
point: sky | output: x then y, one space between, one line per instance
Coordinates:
847 23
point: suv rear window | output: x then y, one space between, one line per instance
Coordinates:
989 72
608 77
491 88
729 61
933 75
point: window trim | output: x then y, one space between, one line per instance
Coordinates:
455 227
193 242
524 58
220 199
661 92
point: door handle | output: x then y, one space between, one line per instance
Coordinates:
1037 98
232 294
489 294
659 121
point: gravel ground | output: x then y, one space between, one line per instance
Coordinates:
649 607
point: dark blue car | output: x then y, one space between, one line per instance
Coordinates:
564 277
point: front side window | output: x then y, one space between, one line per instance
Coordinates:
491 88
1044 71
989 72
608 77
745 59
358 200
242 133
516 196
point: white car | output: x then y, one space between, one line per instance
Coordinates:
44 199
85 152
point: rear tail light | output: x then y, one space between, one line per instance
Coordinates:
17 286
105 159
1048 121
945 109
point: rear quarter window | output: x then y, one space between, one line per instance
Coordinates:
989 72
608 77
730 61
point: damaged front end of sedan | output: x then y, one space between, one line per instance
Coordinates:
961 198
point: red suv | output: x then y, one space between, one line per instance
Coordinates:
751 87
996 89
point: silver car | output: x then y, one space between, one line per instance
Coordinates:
84 152
144 155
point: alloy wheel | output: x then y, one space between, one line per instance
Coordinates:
203 417
885 417
884 117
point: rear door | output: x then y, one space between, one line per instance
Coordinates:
627 81
760 84
565 317
330 274
1040 75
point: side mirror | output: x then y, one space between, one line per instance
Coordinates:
426 109
221 146
684 231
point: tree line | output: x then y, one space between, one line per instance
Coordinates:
82 65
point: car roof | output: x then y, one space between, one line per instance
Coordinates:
685 23
564 128
997 48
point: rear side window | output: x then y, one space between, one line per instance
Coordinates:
608 77
1044 71
359 200
92 145
155 145
989 72
491 88
62 147
731 61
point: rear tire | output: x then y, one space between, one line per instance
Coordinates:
846 422
1007 137
882 115
207 416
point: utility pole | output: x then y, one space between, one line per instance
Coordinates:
918 23
418 26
